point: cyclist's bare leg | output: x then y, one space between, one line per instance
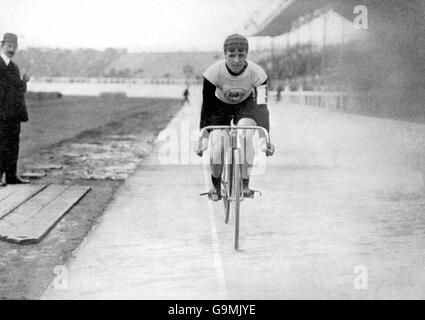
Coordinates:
246 139
217 138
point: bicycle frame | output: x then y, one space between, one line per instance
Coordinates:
232 171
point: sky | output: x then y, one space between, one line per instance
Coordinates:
138 25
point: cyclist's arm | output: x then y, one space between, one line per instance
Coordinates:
261 94
263 119
208 102
261 97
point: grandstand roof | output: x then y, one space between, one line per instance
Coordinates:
281 21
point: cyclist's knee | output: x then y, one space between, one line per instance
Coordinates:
247 122
247 134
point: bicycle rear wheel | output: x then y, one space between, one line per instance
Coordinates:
236 194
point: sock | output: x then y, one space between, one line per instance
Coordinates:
216 182
245 183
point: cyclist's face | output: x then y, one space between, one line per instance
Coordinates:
235 59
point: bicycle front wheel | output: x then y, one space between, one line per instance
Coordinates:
236 194
226 189
226 179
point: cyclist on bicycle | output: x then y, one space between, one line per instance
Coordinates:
234 88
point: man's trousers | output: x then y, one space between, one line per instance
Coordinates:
9 148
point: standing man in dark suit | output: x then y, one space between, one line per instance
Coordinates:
12 109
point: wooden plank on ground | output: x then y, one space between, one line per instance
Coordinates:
13 196
31 226
6 191
25 211
9 189
28 209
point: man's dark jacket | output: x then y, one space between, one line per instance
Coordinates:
12 90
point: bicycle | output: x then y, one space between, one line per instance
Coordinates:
231 177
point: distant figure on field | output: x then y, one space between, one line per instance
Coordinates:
13 110
278 93
186 96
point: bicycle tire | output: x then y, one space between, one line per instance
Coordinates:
236 195
225 199
226 190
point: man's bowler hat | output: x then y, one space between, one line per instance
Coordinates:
10 37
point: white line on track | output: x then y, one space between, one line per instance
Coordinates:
218 260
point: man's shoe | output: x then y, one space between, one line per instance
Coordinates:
214 194
17 181
3 184
248 193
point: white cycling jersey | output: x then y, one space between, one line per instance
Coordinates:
235 89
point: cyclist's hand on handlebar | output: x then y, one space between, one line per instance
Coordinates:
201 146
270 149
267 148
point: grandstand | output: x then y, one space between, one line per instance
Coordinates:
315 45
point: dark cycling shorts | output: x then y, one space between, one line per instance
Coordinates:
248 108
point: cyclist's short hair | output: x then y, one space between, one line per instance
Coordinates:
235 41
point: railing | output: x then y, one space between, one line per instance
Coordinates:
179 81
331 100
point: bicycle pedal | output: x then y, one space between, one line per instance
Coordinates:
209 196
253 194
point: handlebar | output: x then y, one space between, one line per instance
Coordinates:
229 128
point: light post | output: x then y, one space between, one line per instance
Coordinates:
323 60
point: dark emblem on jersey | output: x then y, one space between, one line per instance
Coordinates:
235 95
